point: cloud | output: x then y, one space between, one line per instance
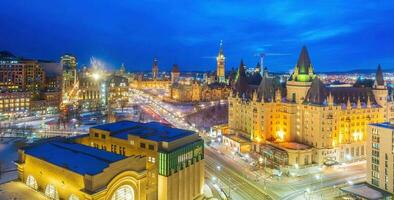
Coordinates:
324 33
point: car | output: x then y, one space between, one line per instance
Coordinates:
330 163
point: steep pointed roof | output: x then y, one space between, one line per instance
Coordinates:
241 82
379 76
304 61
318 92
155 63
122 68
303 71
175 68
221 48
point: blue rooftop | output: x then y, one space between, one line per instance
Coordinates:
75 157
151 131
384 125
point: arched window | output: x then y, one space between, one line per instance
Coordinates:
31 182
51 192
73 197
125 192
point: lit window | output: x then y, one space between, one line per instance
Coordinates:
152 159
31 182
73 197
51 192
125 192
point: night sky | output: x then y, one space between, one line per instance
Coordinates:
340 35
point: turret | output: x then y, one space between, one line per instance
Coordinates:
254 96
241 83
220 71
278 96
155 69
348 104
175 73
301 79
379 88
330 100
368 102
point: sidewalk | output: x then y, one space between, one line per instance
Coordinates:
18 191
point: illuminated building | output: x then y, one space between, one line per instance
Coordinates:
380 150
90 83
304 121
117 94
18 74
14 102
175 73
155 69
69 66
139 161
140 82
194 91
25 85
220 70
214 87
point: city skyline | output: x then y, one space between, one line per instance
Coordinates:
340 36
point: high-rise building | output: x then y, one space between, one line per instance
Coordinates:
380 155
175 73
155 69
28 85
117 161
18 74
68 63
220 59
304 120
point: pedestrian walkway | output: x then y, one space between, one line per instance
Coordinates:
18 191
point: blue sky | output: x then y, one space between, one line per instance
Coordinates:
339 35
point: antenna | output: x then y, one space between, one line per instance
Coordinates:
262 56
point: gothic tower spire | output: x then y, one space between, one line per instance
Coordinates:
220 71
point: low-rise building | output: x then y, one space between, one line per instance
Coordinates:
121 160
12 103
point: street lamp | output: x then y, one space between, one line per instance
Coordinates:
218 167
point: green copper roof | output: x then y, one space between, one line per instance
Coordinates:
303 71
304 62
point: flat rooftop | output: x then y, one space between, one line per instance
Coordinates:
366 191
237 139
293 146
151 131
75 157
389 125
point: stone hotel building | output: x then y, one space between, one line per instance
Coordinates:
303 121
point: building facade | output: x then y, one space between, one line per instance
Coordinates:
141 82
197 92
14 102
18 74
25 82
141 161
330 122
68 63
380 148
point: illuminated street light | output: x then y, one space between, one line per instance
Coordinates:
96 76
